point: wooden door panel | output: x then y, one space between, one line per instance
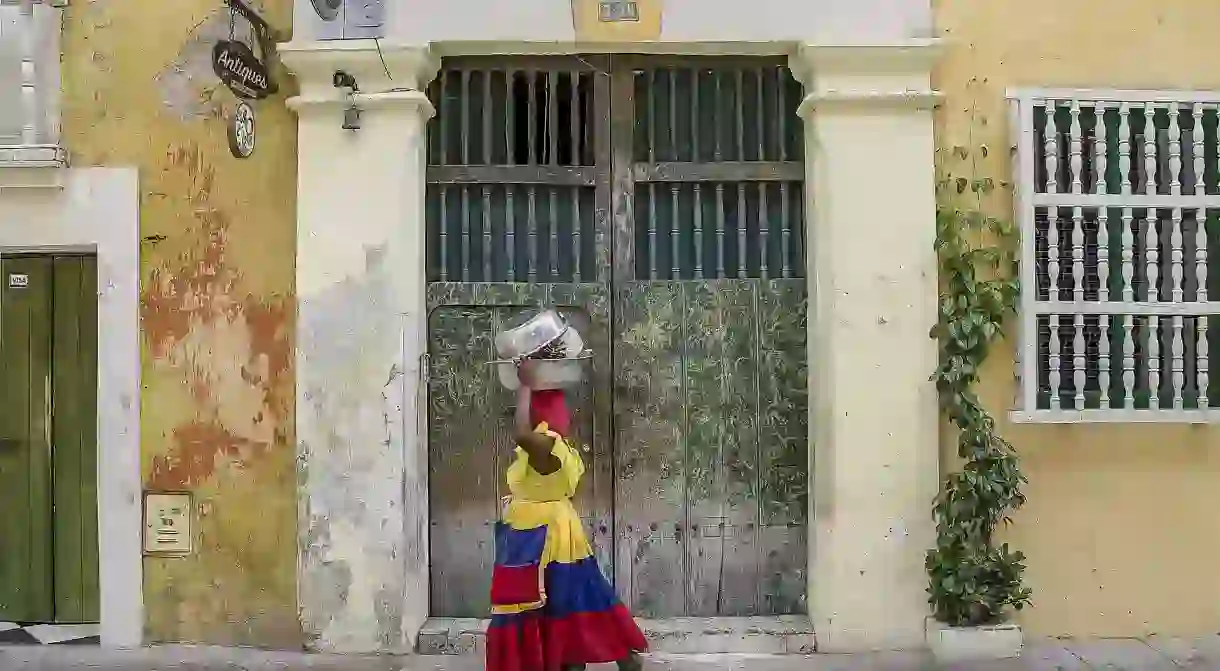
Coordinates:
25 369
712 457
74 439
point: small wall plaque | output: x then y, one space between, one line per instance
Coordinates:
615 11
18 280
167 523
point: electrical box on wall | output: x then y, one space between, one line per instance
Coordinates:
338 19
168 528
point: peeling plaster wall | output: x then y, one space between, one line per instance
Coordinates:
1120 528
217 251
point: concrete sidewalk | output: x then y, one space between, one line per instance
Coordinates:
1155 653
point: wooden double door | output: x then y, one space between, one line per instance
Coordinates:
658 203
48 439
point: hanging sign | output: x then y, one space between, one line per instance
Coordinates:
245 68
241 131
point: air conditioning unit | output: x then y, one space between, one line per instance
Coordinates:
339 19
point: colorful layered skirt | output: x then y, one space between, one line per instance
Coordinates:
551 605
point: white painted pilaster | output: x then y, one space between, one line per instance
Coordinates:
872 283
363 571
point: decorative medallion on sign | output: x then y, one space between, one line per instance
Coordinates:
614 11
241 130
328 10
245 68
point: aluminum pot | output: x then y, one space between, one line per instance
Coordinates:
536 333
548 373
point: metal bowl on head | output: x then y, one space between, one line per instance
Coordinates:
529 338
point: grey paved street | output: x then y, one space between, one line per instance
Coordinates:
1155 653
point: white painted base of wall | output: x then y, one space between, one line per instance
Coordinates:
98 210
953 645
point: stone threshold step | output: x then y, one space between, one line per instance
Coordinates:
780 634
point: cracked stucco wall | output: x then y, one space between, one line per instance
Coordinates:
1120 528
217 250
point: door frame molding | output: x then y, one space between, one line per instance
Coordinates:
97 212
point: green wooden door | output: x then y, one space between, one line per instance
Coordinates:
659 203
48 363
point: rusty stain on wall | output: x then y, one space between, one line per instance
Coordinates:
216 305
1107 503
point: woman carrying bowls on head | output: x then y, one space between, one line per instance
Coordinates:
552 609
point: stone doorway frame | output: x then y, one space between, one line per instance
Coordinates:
363 570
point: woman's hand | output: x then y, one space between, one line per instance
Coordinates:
527 373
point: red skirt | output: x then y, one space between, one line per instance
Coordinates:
581 622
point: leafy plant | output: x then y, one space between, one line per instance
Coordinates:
973 582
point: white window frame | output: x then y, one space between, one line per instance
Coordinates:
39 99
1078 195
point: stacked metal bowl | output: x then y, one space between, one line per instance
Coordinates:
551 341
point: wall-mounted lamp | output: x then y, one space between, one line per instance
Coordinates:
351 118
351 115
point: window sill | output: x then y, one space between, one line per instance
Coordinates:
32 166
1116 416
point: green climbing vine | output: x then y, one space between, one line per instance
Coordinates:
972 581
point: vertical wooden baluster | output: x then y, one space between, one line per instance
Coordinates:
1152 264
720 229
1099 150
1175 149
674 255
786 262
1052 268
445 261
695 154
510 81
1051 148
510 226
1128 275
464 95
1078 343
531 223
552 120
1150 149
1077 254
444 113
764 225
553 232
576 154
1197 150
577 224
781 96
1103 297
487 266
700 271
1177 349
653 267
1126 181
1202 372
1075 149
531 115
467 241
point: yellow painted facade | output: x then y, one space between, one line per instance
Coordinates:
217 250
1120 529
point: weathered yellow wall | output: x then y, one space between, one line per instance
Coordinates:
216 291
1121 527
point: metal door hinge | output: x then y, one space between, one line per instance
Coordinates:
425 367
